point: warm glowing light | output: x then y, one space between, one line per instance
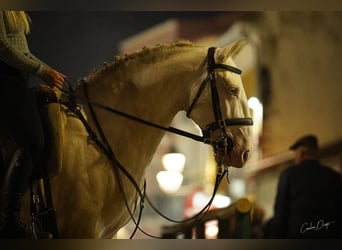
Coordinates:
257 108
211 230
169 181
253 103
238 187
221 201
174 162
257 113
200 199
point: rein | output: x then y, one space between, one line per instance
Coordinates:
223 144
212 127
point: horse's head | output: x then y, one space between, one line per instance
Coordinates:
218 104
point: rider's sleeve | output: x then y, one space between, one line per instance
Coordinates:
14 51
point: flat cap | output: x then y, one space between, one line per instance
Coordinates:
308 141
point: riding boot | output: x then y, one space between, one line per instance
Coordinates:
15 184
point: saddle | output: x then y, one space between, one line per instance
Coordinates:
53 120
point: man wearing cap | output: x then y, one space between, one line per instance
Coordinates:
309 197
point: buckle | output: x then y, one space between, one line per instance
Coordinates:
222 123
35 198
212 75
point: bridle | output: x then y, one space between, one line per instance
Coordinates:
224 144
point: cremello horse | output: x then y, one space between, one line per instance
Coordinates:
153 84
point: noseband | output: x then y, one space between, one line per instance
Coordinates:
223 144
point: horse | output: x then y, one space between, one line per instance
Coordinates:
153 84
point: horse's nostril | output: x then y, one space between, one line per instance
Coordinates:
245 155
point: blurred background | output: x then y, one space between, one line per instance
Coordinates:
291 74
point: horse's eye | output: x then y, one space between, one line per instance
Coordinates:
233 91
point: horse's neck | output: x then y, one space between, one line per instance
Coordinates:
154 92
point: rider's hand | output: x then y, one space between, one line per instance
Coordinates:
53 78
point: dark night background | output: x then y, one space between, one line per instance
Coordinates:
75 42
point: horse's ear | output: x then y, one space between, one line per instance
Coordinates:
229 50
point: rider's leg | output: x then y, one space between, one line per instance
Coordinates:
13 189
22 120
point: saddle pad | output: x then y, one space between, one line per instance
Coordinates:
54 120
